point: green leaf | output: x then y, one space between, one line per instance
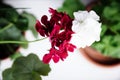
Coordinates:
28 68
7 74
8 12
31 22
10 34
115 53
3 23
22 23
111 13
116 28
109 46
104 29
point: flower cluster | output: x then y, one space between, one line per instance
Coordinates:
66 34
59 31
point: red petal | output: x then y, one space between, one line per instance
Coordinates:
40 28
37 25
55 59
44 19
71 47
47 58
51 10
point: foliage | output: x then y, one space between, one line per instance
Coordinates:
27 68
12 27
110 36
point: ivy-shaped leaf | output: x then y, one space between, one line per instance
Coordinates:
27 68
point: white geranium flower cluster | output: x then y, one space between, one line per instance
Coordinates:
86 27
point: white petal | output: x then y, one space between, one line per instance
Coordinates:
94 15
76 27
81 15
87 33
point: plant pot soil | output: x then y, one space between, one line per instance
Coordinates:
97 58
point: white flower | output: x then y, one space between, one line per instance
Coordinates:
86 27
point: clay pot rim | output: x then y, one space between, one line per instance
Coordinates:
82 50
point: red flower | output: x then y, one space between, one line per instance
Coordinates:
59 31
51 55
64 48
60 53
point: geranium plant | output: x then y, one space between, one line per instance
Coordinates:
65 35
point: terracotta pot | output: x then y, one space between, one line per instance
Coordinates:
97 58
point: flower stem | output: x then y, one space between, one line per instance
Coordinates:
20 42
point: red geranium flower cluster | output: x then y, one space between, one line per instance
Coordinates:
59 31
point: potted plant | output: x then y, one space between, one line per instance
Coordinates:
109 45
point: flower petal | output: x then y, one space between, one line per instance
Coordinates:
94 15
47 58
80 15
55 58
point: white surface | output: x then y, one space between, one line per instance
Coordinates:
75 67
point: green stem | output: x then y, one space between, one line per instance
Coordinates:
6 27
20 42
